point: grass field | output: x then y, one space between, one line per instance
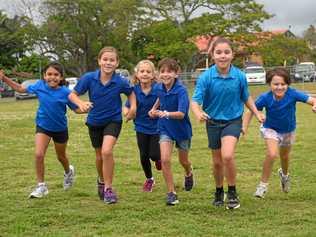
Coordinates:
78 212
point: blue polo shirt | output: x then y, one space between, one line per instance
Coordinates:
222 98
143 123
176 99
280 114
53 102
106 99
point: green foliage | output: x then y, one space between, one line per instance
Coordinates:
280 48
13 39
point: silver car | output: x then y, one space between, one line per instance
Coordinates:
25 95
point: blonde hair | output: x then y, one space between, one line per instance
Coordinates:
135 80
108 49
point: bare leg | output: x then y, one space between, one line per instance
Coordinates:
41 144
108 160
272 149
166 152
228 156
99 163
60 149
184 161
284 158
218 168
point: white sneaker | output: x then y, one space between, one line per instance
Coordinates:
69 178
284 181
261 191
39 192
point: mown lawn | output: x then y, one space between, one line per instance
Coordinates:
78 212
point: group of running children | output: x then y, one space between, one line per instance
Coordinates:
159 106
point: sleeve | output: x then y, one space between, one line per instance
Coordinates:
260 102
244 87
126 87
32 89
83 84
184 101
200 88
300 96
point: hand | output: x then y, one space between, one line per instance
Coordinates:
202 116
314 108
260 117
85 106
243 131
131 114
153 113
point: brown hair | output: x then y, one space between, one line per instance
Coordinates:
221 40
281 72
145 61
108 49
59 68
170 64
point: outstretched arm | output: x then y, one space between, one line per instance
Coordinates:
312 101
250 104
14 85
83 106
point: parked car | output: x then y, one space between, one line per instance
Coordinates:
71 82
123 72
305 71
22 96
255 75
5 90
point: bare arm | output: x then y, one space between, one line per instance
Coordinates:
14 85
83 106
153 113
246 121
250 104
200 115
312 101
131 113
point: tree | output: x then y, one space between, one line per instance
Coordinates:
279 49
13 39
177 24
76 30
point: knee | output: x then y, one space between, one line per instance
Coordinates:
106 153
165 162
39 156
227 159
272 155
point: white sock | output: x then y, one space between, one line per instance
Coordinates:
264 184
41 184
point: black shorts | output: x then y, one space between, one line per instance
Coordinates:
58 137
97 133
217 129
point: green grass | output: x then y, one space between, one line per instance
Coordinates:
78 212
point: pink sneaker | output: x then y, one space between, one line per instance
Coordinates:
148 185
158 164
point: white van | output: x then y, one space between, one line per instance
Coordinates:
255 75
71 82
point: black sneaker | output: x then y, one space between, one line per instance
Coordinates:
188 182
219 198
172 199
232 200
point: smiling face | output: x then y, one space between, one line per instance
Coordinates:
108 62
278 86
145 73
53 77
222 56
167 76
